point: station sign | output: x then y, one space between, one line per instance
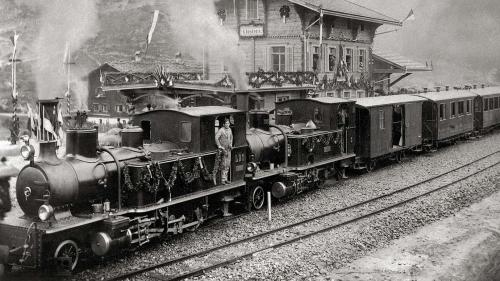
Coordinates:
252 30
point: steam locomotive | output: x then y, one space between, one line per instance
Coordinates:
164 178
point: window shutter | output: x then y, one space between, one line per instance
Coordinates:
289 58
266 58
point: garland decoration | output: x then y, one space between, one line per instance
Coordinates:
284 12
189 177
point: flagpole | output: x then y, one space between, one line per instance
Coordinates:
15 120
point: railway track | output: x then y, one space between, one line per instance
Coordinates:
222 255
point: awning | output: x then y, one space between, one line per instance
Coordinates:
393 63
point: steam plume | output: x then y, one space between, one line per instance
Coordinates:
196 27
62 21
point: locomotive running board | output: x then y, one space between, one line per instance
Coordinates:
321 163
184 198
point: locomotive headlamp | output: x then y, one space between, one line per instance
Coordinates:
45 212
251 167
27 152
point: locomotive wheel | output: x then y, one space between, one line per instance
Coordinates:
67 249
257 197
370 166
399 157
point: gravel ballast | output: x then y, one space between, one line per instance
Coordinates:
356 189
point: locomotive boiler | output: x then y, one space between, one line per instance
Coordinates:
84 176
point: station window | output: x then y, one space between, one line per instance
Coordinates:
442 111
469 106
278 58
348 58
360 94
252 9
95 107
185 132
104 108
362 59
119 108
381 119
347 94
332 57
453 110
460 108
315 58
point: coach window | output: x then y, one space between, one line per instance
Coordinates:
497 102
469 105
278 58
485 104
381 119
442 111
460 108
492 104
185 132
453 110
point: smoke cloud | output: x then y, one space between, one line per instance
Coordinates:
195 26
459 36
63 22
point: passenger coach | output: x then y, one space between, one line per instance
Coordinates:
447 116
387 126
487 109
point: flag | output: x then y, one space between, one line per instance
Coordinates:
31 121
13 39
67 54
152 29
410 17
60 131
47 126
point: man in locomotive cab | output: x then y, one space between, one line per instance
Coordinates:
224 141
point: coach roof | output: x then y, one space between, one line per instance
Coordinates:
448 95
489 91
387 100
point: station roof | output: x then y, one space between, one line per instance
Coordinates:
346 9
488 91
149 66
387 100
199 111
448 95
398 63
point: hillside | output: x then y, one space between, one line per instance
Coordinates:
120 31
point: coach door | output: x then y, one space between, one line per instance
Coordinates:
398 125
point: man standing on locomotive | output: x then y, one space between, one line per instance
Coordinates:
224 141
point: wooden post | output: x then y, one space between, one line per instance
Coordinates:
269 206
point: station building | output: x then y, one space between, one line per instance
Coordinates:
292 49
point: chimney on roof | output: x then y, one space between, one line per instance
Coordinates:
474 86
425 90
467 87
438 89
482 86
447 88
